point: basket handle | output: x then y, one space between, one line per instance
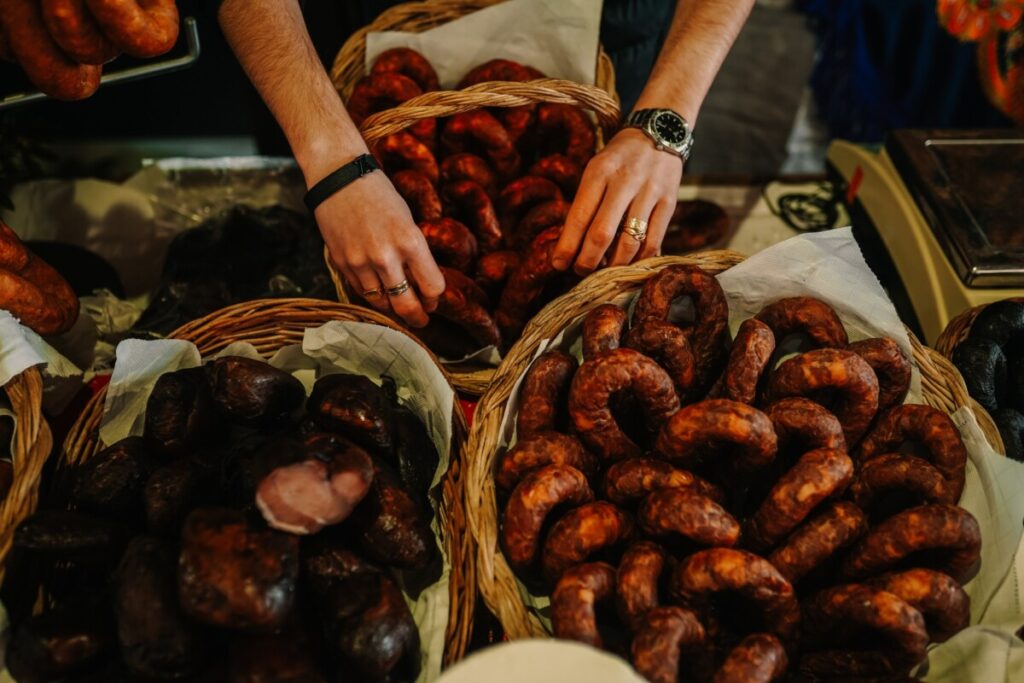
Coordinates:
493 94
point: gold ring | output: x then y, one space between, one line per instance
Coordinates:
636 228
372 293
399 289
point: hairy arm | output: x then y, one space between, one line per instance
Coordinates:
629 177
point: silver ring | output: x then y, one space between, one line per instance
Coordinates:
636 228
399 289
372 293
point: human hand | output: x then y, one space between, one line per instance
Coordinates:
629 178
375 244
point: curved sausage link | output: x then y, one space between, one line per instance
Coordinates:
383 90
908 477
540 449
667 344
602 330
419 193
669 512
468 202
565 129
76 32
520 196
529 505
539 218
402 150
580 533
573 601
634 478
451 242
748 361
805 315
839 525
498 70
467 166
409 63
493 270
464 304
665 633
891 367
637 580
141 29
522 294
599 380
479 130
561 170
802 425
545 392
759 658
943 603
716 423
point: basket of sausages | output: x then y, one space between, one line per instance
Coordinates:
983 343
209 520
489 171
720 497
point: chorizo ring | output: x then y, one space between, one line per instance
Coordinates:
498 70
707 572
838 526
664 634
76 32
419 193
469 203
141 28
493 270
906 477
379 91
520 196
715 424
538 219
836 613
13 254
927 427
599 380
891 367
479 131
590 528
802 425
561 170
544 394
945 606
402 150
409 63
465 305
540 449
839 376
944 537
565 129
573 601
634 478
808 316
669 512
816 476
466 166
451 242
667 344
748 359
523 293
637 580
46 305
602 330
529 505
759 658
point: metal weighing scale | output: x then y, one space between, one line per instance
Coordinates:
940 216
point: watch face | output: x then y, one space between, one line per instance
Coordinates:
671 129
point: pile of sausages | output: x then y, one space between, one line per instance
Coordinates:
62 45
250 534
490 190
713 514
32 290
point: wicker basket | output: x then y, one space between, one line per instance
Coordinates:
349 67
941 386
268 325
959 327
29 450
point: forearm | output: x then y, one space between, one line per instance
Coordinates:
698 41
270 39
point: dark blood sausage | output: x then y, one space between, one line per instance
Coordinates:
821 372
983 365
419 193
664 637
891 367
633 478
520 196
1010 424
808 316
544 393
540 449
468 202
667 344
379 91
76 32
478 131
748 360
836 527
818 475
464 304
467 166
356 408
708 572
254 391
946 538
1000 321
451 242
599 380
668 512
911 480
390 526
409 63
531 502
714 424
637 581
943 603
573 601
802 425
538 219
927 427
559 169
565 129
402 150
112 481
60 642
710 331
759 658
66 534
859 609
270 657
523 293
588 529
493 270
180 411
141 28
602 329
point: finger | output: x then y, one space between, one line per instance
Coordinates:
407 304
429 279
658 227
581 214
603 229
367 281
627 246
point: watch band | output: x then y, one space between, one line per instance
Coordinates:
354 170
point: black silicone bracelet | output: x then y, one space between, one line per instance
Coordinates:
353 170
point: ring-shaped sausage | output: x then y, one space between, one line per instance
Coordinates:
663 636
545 392
521 195
75 30
909 479
983 365
836 527
478 131
637 581
540 449
538 219
802 425
599 380
748 359
565 129
419 193
891 367
681 512
465 304
450 242
581 532
945 606
402 150
1000 321
384 90
667 344
1010 424
577 593
714 425
561 170
469 203
602 330
493 270
467 166
526 285
808 316
759 658
632 479
409 63
141 28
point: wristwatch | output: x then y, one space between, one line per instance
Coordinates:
669 131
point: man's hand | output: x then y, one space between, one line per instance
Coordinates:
629 178
376 245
